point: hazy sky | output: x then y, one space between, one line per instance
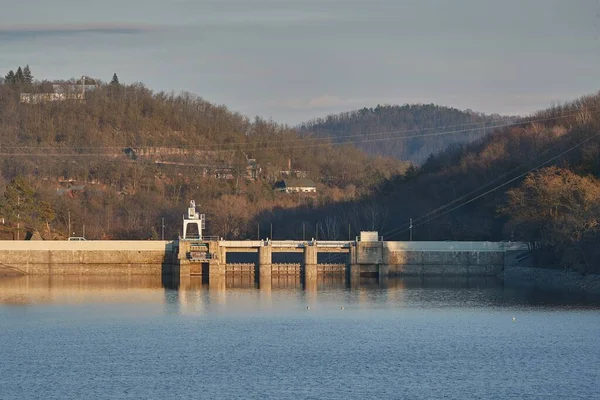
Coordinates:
292 60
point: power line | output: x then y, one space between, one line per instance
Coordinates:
402 230
301 142
487 184
360 136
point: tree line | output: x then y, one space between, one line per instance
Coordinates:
22 76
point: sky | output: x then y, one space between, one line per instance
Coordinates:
295 60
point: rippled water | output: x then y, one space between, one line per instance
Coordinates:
143 337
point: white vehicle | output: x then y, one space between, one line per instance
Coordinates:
76 239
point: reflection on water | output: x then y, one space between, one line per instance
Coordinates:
187 291
77 289
326 338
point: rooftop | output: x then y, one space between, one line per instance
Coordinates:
296 182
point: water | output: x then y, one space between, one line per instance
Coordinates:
141 337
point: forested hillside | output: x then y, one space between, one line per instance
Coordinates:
409 132
535 181
125 157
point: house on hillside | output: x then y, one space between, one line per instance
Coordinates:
62 91
292 173
37 98
252 169
294 185
219 165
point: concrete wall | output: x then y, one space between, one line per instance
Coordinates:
455 246
86 257
159 257
102 245
435 258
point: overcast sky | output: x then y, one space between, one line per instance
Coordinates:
292 60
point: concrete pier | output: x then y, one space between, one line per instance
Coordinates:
310 262
265 262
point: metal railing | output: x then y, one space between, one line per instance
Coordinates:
332 243
197 238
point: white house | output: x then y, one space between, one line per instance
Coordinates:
296 186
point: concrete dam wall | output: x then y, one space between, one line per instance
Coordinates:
435 258
184 258
96 257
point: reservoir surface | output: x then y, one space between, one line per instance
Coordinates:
153 337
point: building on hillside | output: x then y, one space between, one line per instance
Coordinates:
252 169
294 185
37 98
208 164
227 171
62 91
292 173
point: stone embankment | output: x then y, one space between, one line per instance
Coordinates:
551 279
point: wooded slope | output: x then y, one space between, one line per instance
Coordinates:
408 132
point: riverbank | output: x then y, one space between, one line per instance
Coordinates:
552 279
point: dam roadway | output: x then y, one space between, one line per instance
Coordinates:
208 257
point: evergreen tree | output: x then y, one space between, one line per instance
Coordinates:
19 201
115 79
20 204
19 77
27 74
10 77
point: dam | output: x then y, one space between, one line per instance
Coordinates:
210 256
187 257
361 256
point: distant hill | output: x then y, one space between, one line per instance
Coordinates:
383 130
118 158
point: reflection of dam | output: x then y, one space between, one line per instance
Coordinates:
196 292
32 289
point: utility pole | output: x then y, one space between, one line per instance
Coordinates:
69 230
303 232
271 237
411 226
162 229
258 231
18 217
349 232
83 231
